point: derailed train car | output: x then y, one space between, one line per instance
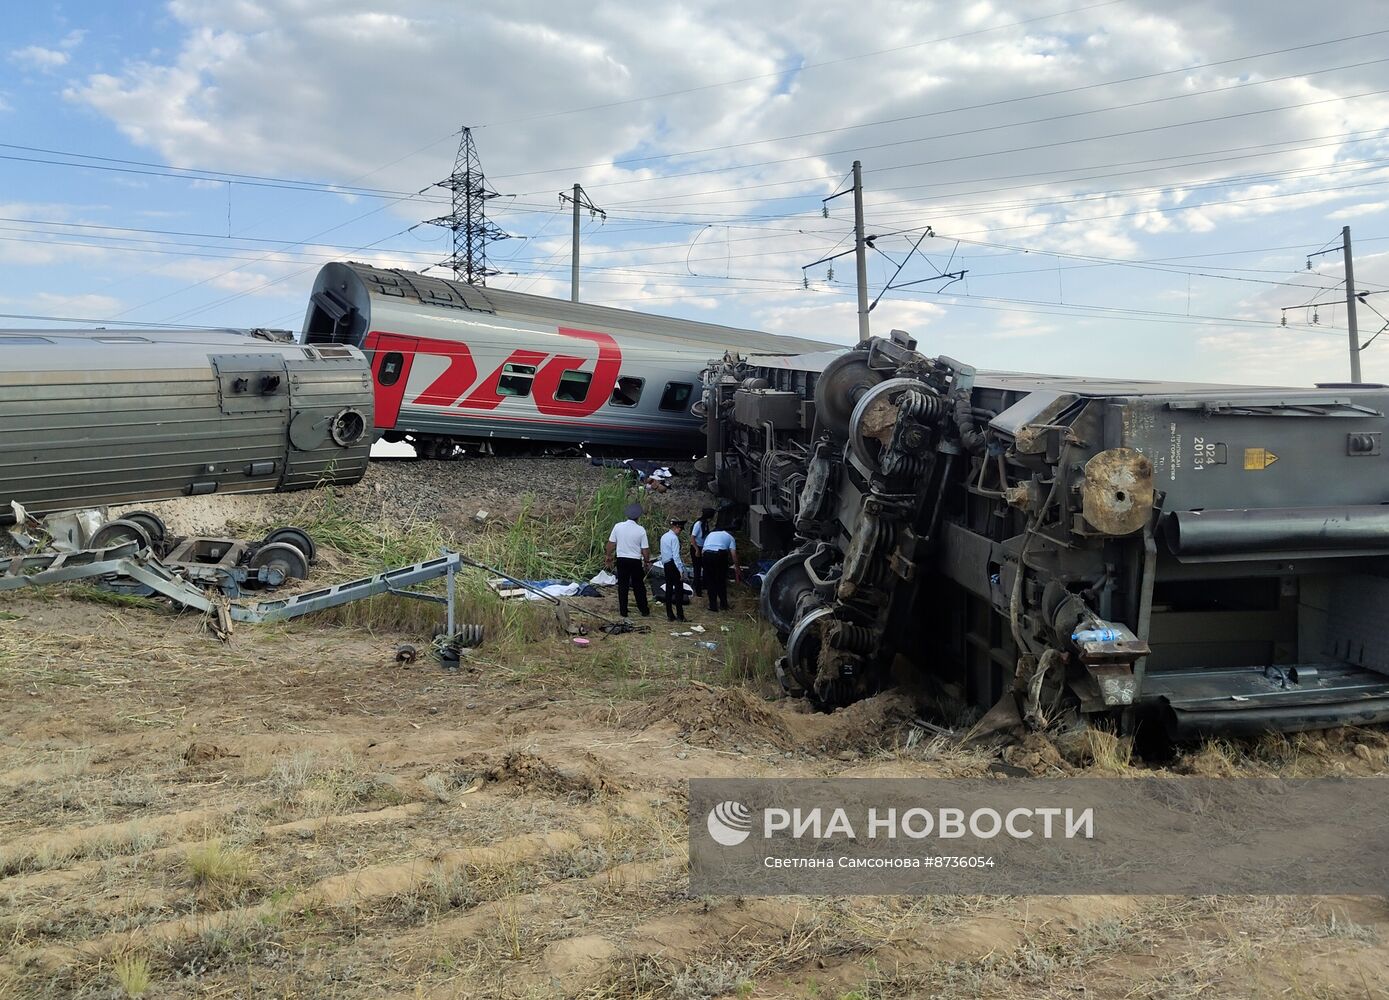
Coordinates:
92 417
1213 558
459 365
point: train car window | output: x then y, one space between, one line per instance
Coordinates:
573 386
676 396
391 366
515 380
627 391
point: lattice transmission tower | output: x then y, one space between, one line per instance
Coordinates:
472 230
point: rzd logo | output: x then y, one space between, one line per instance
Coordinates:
458 385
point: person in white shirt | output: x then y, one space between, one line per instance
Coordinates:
674 571
629 547
720 551
701 528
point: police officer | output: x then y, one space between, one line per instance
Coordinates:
674 570
628 545
701 528
720 551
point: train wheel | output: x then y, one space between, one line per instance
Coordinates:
119 532
297 537
439 449
843 381
151 522
283 556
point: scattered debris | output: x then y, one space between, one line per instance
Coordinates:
406 654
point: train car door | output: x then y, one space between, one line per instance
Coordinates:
392 356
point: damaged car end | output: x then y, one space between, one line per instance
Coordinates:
1210 558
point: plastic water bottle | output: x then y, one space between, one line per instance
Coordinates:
708 645
1095 635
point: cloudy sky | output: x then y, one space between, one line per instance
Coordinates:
1131 187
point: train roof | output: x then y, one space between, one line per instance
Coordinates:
87 336
98 349
444 293
1079 385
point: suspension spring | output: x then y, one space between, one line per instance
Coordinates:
852 638
922 405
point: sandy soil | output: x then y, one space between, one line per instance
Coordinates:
293 814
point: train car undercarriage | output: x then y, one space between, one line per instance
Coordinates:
1214 558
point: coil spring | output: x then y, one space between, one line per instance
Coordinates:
896 464
447 647
853 638
876 571
922 404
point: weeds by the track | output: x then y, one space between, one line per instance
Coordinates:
534 546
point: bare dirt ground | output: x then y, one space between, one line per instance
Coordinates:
293 814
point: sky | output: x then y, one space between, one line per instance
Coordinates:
1125 188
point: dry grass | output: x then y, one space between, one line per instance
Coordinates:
750 651
132 974
323 731
221 874
1106 752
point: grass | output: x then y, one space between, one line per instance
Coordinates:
1107 753
750 651
96 595
534 546
132 974
220 872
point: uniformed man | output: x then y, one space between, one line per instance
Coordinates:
720 551
674 570
702 527
629 547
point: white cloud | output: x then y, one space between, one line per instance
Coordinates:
355 90
83 306
36 57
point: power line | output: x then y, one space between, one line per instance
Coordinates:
1155 211
197 174
1308 142
307 239
97 322
1147 211
275 281
970 156
991 104
802 68
1292 173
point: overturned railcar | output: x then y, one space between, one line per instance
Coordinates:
91 417
1213 557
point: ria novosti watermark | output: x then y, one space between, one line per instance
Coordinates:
1097 835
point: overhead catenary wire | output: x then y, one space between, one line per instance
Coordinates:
776 74
1205 92
855 150
1358 135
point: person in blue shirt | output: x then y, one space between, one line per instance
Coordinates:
674 571
702 527
720 551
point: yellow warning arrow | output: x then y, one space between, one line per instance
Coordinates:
1258 459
